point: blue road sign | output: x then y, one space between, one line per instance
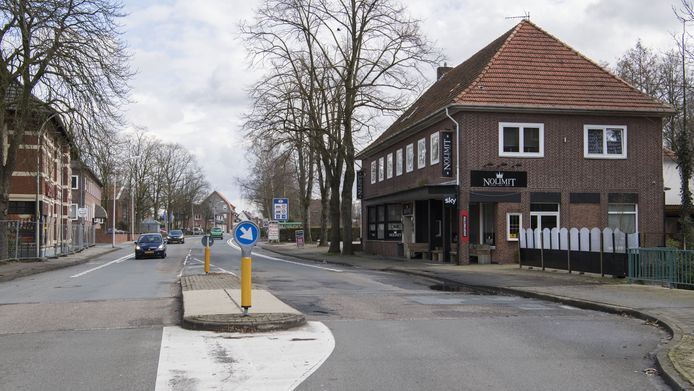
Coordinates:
280 209
205 239
246 233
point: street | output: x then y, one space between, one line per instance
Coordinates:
99 326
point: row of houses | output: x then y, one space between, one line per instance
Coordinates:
526 133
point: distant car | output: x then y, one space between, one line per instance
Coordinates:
197 231
217 233
118 231
175 236
150 245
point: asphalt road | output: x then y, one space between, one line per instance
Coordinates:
98 326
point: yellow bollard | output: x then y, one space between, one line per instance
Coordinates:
245 283
207 259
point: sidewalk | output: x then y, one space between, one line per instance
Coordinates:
213 302
672 308
9 270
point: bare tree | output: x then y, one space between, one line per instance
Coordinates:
63 60
350 56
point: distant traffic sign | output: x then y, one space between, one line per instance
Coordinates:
280 209
82 212
205 239
246 234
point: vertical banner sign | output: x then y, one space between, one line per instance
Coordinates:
447 154
280 209
464 227
360 184
273 231
299 235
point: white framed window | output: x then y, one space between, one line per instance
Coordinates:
73 211
389 165
521 139
514 223
75 182
421 153
605 142
544 215
373 172
434 146
410 158
624 217
398 162
381 169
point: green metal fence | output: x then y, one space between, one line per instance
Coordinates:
672 267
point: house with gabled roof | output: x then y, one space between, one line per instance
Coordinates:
525 133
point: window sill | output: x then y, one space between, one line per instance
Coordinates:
522 155
605 157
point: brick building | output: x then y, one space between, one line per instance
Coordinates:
525 133
214 211
86 194
40 184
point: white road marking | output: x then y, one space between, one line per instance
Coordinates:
232 245
204 360
568 307
119 260
212 265
185 261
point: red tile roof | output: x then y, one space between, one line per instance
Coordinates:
527 68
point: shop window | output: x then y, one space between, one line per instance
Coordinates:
488 223
372 223
434 153
623 216
421 153
389 165
604 142
398 162
373 172
410 158
384 222
513 226
394 223
381 169
521 140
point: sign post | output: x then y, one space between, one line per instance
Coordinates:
245 235
280 209
273 231
299 235
207 241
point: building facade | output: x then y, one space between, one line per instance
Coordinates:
86 195
40 186
525 133
214 211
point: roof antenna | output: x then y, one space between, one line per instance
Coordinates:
524 17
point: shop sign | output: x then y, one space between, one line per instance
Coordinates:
498 178
447 154
464 227
450 200
299 235
394 231
360 184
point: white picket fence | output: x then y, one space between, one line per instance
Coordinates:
574 239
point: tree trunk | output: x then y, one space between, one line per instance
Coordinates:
347 205
334 214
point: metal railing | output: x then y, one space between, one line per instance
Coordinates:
18 239
672 267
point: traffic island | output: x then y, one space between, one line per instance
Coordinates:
212 302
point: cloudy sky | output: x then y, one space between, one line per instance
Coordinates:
193 71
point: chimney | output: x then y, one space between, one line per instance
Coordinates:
440 71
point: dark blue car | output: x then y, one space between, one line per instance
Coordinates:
176 236
150 245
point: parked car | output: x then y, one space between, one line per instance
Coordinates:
150 245
175 236
197 231
216 233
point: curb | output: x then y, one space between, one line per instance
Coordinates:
47 267
665 366
243 324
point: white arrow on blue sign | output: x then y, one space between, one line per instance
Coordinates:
246 233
